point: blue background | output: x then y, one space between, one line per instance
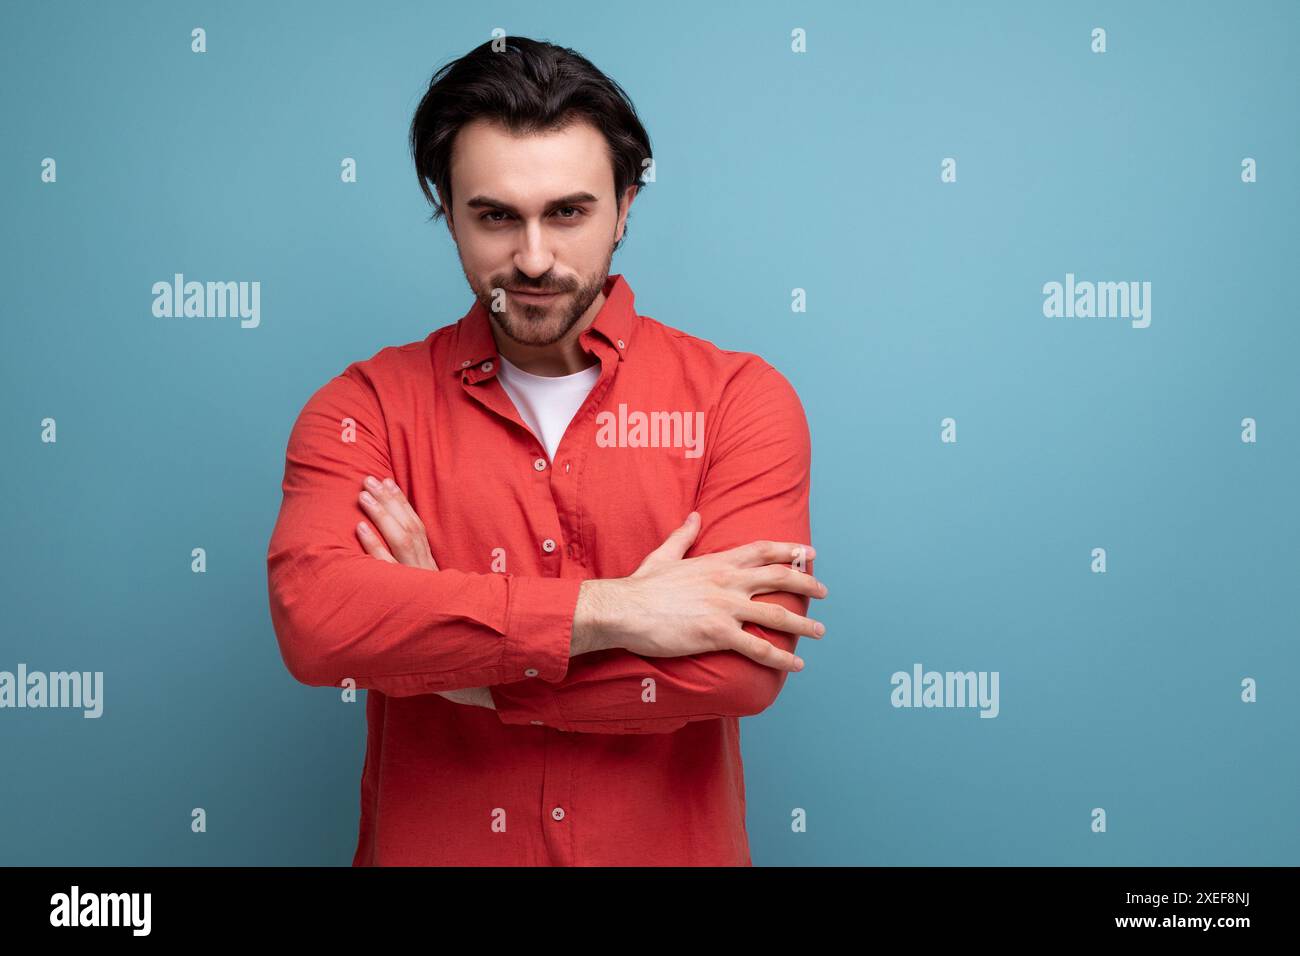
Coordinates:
774 171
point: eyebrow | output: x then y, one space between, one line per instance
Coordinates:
488 202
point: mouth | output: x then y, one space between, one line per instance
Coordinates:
539 297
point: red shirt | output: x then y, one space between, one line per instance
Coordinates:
584 761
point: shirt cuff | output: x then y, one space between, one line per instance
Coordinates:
539 628
528 702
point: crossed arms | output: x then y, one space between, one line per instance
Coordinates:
714 632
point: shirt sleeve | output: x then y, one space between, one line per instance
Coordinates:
339 613
755 488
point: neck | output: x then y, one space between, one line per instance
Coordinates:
563 357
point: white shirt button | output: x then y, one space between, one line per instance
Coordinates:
548 545
531 672
539 464
620 343
567 466
558 813
486 366
465 364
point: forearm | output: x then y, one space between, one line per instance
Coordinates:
406 631
622 692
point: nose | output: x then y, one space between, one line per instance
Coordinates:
534 258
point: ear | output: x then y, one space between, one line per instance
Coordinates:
625 207
446 213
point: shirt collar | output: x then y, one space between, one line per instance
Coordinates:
475 351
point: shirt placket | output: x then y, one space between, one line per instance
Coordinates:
557 560
557 797
561 746
571 458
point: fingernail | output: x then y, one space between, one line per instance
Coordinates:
820 628
798 663
372 483
368 498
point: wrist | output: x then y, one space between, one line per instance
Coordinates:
595 620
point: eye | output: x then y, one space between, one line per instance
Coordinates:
577 211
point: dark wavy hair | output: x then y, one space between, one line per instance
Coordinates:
529 86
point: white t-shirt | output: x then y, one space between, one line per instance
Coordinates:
547 403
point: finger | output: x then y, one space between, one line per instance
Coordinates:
778 618
765 652
771 578
373 544
396 502
678 543
396 520
383 521
390 496
758 553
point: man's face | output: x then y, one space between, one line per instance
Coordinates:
537 213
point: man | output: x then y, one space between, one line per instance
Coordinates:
485 528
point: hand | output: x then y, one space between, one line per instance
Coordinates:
672 606
404 542
402 529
